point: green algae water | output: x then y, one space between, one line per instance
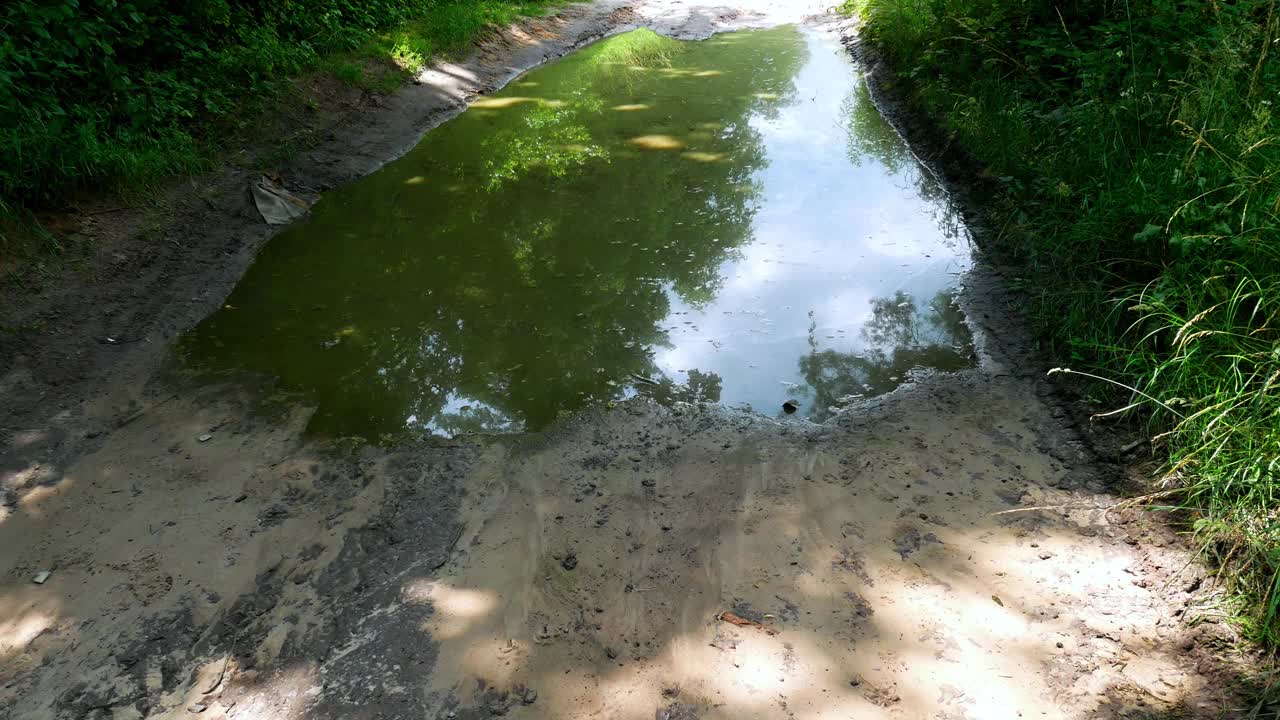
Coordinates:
727 221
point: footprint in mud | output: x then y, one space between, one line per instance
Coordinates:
1030 523
677 711
877 695
492 701
908 540
945 647
861 608
926 517
954 703
851 562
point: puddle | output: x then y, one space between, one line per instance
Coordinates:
728 220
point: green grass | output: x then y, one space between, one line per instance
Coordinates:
117 95
384 60
640 49
1133 151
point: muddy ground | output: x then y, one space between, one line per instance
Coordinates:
951 550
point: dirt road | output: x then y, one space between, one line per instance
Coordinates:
893 564
950 550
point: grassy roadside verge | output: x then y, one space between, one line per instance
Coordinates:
114 95
1135 147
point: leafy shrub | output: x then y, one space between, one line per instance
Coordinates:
1135 149
117 92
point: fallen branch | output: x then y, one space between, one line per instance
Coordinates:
734 619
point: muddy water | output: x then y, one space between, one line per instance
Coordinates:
727 221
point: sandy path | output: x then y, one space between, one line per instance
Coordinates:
585 570
581 573
880 556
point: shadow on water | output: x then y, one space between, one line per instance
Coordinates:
646 215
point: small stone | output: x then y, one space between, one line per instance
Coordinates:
1045 554
41 577
570 561
205 438
648 482
530 696
197 708
790 406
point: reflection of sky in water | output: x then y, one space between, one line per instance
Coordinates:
829 236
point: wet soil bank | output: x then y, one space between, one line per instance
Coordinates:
952 549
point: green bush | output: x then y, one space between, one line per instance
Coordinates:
1133 147
110 93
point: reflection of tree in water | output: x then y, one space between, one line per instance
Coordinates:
869 135
899 337
553 138
702 387
519 260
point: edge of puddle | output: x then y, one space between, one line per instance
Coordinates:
1000 342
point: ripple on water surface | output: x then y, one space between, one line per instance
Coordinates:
728 220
